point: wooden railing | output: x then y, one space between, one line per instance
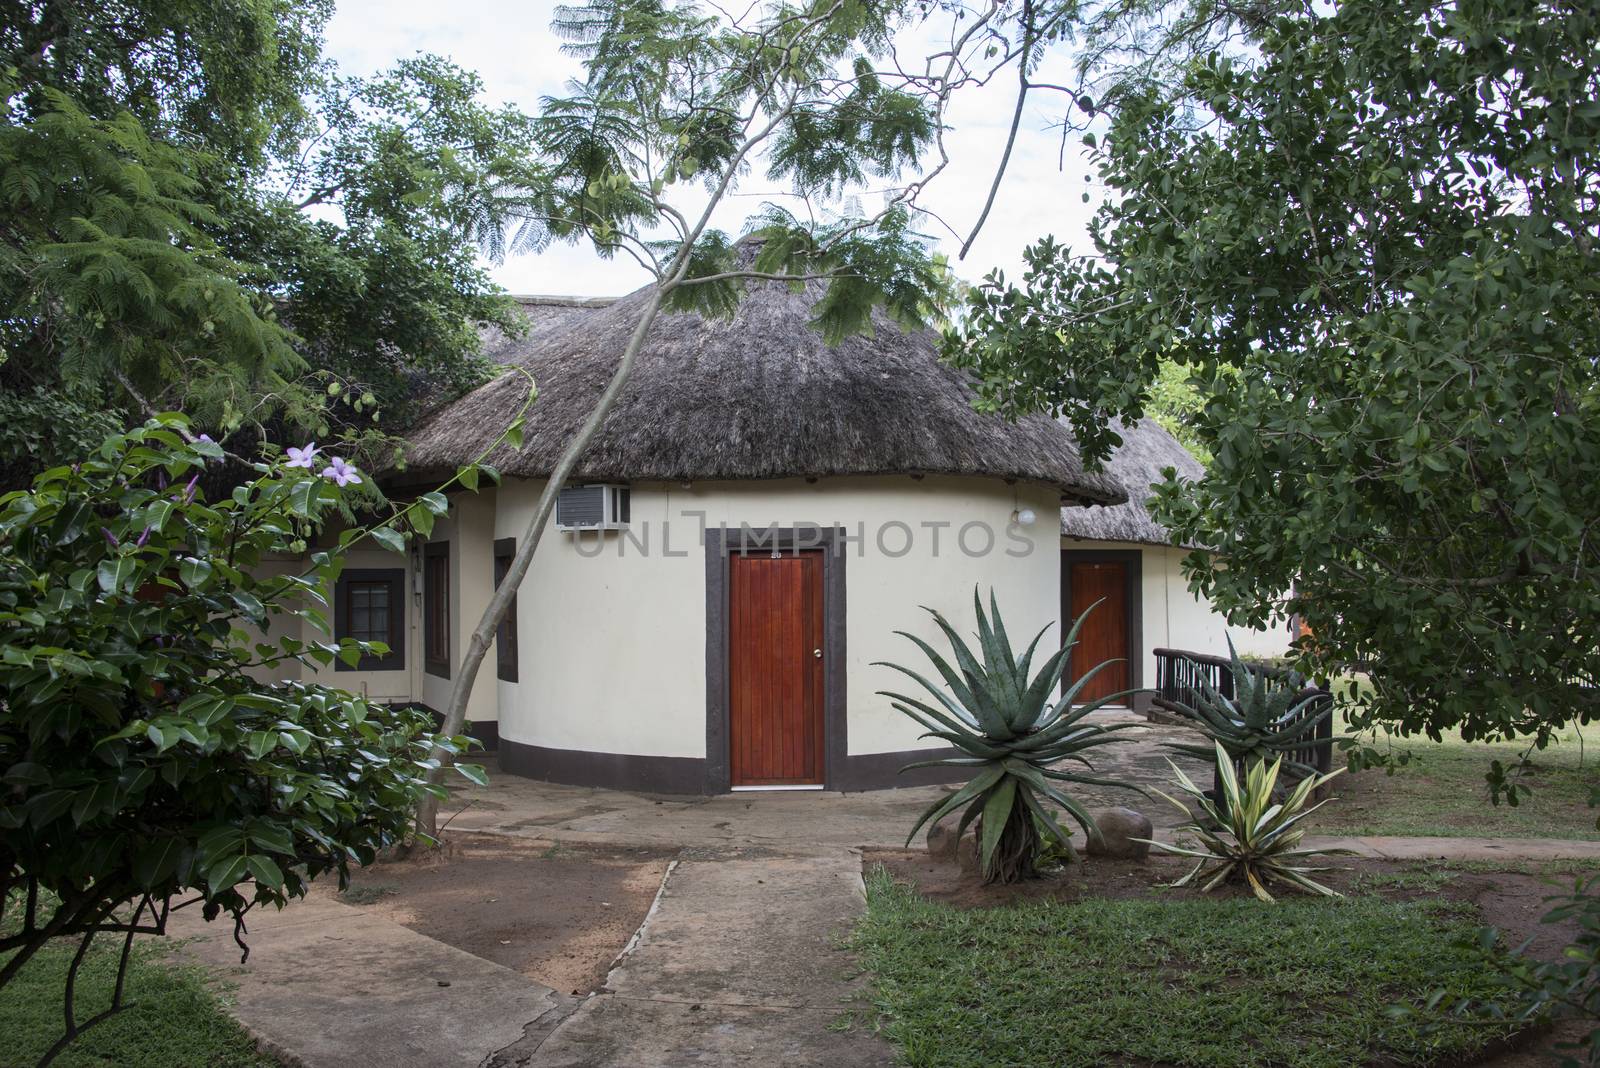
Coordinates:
1182 676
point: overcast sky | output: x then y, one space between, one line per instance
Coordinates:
511 47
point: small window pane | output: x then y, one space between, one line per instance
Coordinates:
367 601
369 611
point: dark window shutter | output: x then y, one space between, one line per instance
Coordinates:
505 636
436 608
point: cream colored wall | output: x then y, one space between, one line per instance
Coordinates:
1174 618
469 529
612 629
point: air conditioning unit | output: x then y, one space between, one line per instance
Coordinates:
596 506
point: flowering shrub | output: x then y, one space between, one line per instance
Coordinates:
143 764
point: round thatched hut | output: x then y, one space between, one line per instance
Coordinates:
757 516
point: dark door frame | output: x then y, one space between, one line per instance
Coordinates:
1134 579
721 542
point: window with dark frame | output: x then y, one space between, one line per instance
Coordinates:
369 605
505 636
436 608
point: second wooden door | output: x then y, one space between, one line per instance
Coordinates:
775 669
1105 633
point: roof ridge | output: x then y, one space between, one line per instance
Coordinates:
552 300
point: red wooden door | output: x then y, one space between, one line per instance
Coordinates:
775 669
1105 633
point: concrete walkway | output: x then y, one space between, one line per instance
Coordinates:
876 819
327 985
739 963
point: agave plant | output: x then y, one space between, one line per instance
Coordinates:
1249 838
1013 734
1265 719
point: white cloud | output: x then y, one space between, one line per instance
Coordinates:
512 48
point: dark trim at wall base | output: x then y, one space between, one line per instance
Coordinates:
611 771
487 733
687 775
881 771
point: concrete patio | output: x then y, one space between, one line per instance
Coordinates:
874 819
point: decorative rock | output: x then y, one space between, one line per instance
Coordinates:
942 840
1118 828
967 853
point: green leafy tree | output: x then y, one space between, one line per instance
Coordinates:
1369 238
144 765
1368 233
44 422
197 212
681 109
223 75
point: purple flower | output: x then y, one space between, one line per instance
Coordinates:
143 537
205 437
111 539
303 457
188 491
342 473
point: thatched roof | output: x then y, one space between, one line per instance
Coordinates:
757 396
1137 464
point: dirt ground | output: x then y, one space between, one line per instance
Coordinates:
558 914
1511 901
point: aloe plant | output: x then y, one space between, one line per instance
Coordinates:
1265 719
1013 734
1246 837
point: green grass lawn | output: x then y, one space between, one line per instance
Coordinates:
1441 791
1182 981
175 1017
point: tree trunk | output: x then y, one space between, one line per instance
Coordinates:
1017 853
